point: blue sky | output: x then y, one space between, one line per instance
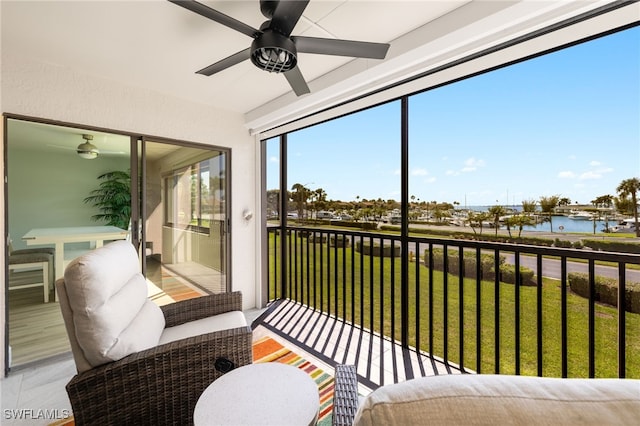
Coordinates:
566 124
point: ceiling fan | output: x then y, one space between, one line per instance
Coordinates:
274 49
87 150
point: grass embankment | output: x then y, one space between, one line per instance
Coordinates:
377 300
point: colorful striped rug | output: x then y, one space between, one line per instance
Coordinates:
267 349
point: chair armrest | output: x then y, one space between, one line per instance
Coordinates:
345 396
201 307
157 386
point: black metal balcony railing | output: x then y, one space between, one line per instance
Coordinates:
480 316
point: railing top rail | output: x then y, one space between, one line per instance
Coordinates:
573 253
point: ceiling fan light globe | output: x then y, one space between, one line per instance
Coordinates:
87 151
273 52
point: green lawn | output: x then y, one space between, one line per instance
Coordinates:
376 299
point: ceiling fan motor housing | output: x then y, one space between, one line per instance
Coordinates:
273 52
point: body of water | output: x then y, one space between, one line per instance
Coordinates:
568 225
564 224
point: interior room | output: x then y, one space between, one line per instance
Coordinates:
190 105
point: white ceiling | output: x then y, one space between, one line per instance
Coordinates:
160 46
157 45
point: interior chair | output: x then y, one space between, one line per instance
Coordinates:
22 261
138 363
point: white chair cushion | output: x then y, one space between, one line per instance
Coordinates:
227 320
502 399
108 298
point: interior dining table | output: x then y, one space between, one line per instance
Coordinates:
95 235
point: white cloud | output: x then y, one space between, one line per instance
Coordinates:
419 172
595 174
595 163
452 173
396 172
472 164
566 175
430 180
590 175
274 159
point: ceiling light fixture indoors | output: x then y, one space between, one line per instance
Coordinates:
86 149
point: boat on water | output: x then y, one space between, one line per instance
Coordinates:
624 226
581 215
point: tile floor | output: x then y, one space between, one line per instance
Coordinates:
34 394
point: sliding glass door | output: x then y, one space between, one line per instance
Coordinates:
172 203
184 231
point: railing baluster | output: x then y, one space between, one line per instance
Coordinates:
315 275
592 319
392 291
497 309
361 240
417 298
344 274
381 330
308 265
622 279
326 235
431 299
518 283
478 311
336 271
322 284
461 304
563 315
290 259
445 303
539 322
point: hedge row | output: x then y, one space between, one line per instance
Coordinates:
365 226
488 237
376 249
606 290
487 266
607 245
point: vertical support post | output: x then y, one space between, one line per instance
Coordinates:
284 198
264 248
404 232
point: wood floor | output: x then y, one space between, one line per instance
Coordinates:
36 329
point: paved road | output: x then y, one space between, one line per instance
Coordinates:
551 268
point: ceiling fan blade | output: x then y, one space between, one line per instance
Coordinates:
287 15
328 46
218 17
296 80
225 63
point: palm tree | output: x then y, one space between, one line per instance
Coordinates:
547 205
564 201
299 196
631 187
495 212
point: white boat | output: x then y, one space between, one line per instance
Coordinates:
627 226
580 215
